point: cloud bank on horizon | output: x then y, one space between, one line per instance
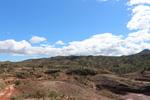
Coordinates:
100 44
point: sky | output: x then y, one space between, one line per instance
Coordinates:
31 29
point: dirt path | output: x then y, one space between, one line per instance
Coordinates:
133 96
7 92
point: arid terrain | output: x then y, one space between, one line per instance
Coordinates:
77 78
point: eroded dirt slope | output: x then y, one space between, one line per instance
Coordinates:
7 92
62 88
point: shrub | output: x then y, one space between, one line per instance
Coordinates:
38 76
53 94
107 93
39 94
15 98
17 82
26 82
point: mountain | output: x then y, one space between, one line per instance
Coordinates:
145 51
118 65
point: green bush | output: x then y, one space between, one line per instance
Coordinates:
26 82
17 82
38 76
53 94
13 97
107 93
39 94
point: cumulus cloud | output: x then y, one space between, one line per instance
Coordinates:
11 46
36 39
139 36
140 17
100 44
140 21
59 43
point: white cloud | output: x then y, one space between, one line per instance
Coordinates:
101 0
135 2
139 36
140 21
18 55
59 43
44 45
11 46
140 17
101 44
36 39
105 0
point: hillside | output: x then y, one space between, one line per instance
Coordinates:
117 65
78 77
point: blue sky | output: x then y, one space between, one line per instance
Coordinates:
45 28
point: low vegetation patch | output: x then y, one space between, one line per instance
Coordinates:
17 82
107 93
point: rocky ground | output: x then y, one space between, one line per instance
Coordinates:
7 92
134 96
70 82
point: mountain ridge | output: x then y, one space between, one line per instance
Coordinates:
145 51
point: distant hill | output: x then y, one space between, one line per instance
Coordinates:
146 51
117 65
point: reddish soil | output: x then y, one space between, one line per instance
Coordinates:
65 78
7 92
